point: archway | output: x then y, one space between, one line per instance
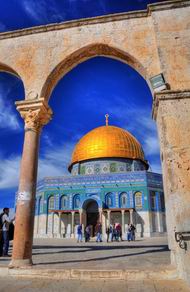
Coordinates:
140 34
85 53
92 214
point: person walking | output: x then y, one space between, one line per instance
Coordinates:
119 232
111 233
1 234
79 233
114 236
133 232
98 230
6 222
108 233
87 233
128 232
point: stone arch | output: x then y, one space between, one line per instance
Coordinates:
109 200
51 202
84 54
138 199
4 68
8 69
76 201
123 199
63 202
86 202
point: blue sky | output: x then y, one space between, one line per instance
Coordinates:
80 100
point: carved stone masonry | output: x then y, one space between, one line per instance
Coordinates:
36 113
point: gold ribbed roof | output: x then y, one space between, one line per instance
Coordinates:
107 142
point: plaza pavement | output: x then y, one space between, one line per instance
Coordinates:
47 285
143 265
141 254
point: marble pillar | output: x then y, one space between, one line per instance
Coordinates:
35 113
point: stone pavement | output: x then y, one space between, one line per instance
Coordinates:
142 254
47 285
64 265
143 265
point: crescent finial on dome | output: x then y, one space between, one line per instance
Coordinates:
107 117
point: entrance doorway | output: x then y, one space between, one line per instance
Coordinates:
92 215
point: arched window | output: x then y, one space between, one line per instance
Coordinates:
51 203
63 202
138 200
76 201
40 206
109 200
123 200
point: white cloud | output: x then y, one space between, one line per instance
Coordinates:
9 172
139 122
8 118
151 144
53 163
41 12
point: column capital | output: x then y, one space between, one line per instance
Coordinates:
165 96
36 113
130 210
123 211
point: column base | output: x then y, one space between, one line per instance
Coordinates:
20 263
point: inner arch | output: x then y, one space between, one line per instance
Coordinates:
92 214
84 54
8 69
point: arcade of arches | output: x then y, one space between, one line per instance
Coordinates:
153 42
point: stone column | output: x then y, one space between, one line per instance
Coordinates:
72 224
123 223
103 225
171 110
60 225
35 113
52 224
46 223
108 216
131 215
81 216
100 214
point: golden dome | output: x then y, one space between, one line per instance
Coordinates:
107 142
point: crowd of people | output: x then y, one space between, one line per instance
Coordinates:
113 232
6 232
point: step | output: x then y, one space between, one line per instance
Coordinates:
168 273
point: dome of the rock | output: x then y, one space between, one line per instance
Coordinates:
107 142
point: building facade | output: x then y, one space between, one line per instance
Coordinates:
109 183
